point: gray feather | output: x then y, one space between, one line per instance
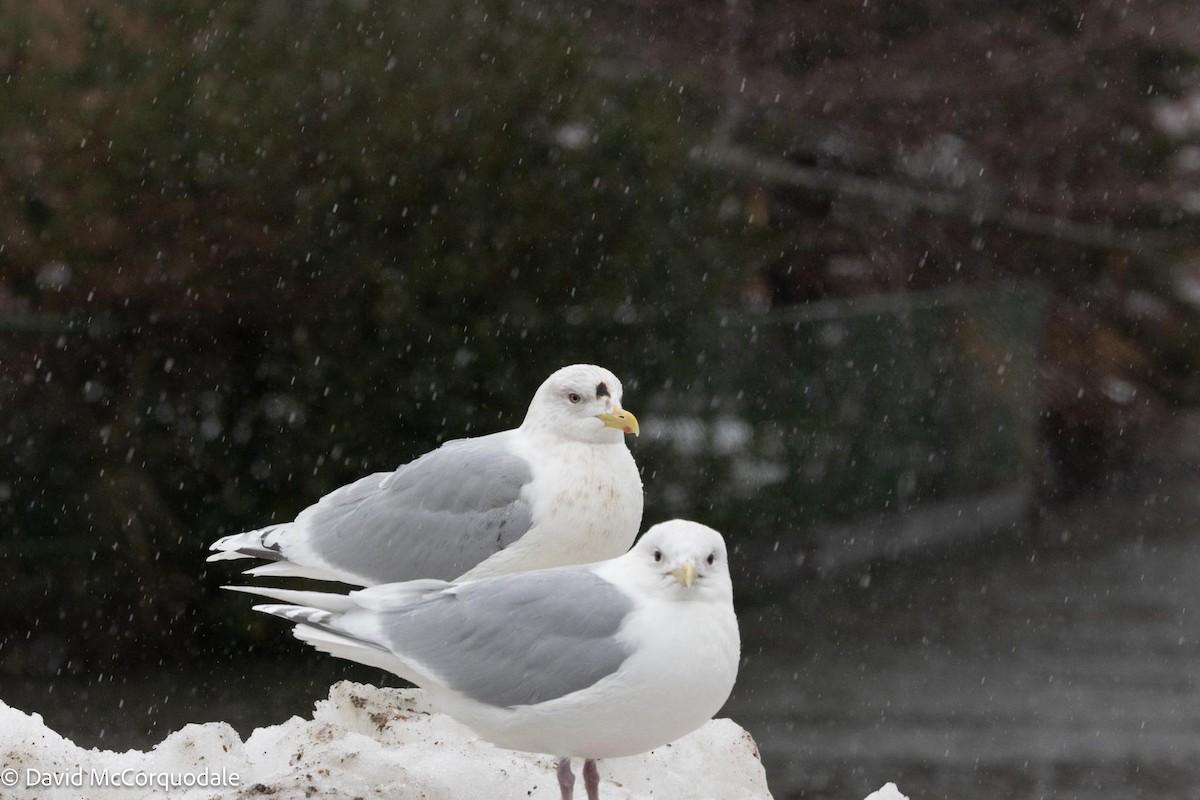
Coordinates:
515 640
435 517
506 641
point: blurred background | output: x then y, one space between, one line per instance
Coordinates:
905 293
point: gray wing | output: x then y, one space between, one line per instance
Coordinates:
515 639
435 517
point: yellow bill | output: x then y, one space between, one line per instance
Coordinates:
685 574
622 420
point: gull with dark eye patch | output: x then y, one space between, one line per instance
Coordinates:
560 489
595 661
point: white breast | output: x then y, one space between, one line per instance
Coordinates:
586 501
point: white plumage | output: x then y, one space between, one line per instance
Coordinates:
560 489
595 661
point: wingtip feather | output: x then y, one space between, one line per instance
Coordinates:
226 555
324 601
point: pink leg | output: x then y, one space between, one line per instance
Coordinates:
591 779
566 778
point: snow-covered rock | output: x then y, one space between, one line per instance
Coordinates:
362 742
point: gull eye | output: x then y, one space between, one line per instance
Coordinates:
574 397
711 558
657 555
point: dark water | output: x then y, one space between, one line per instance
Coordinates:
1064 666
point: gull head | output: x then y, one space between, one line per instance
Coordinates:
684 559
581 403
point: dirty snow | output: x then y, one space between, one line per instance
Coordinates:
361 742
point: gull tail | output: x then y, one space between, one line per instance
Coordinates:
268 544
322 601
320 628
263 543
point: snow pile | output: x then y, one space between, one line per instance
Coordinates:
887 792
362 742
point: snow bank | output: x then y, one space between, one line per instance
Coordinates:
362 742
887 792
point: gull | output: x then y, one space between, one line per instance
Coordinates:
589 661
560 489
